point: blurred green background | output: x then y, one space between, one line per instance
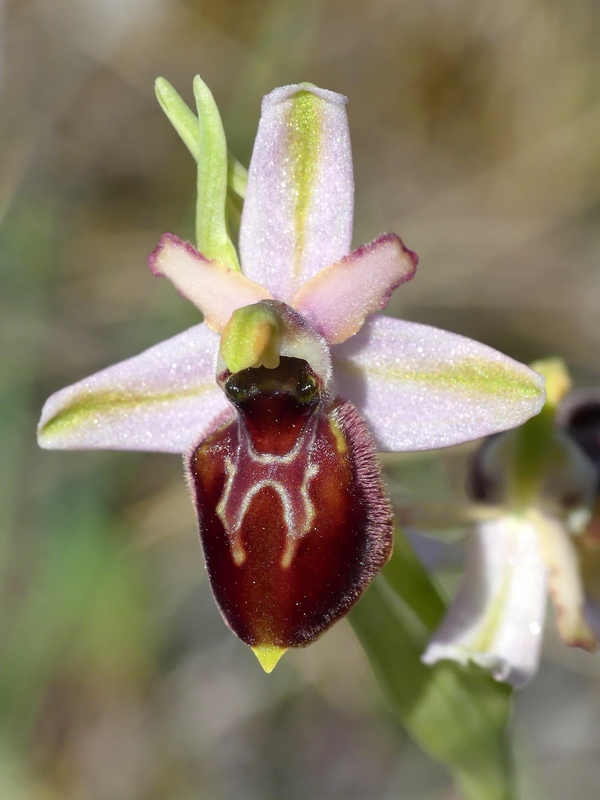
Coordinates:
476 134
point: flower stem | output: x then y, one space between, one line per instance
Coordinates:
458 715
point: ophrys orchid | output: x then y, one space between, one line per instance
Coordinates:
282 396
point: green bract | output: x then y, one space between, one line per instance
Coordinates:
204 137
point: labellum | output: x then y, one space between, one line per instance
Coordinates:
293 516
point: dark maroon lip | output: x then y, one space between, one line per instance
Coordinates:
293 517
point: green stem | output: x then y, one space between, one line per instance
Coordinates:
458 716
410 580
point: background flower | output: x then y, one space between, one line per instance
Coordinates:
542 487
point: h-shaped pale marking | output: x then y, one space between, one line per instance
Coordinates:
288 474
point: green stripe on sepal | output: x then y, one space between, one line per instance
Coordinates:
204 137
470 375
458 715
104 405
304 145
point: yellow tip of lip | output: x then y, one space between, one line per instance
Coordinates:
268 655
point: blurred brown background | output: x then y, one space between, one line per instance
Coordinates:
476 133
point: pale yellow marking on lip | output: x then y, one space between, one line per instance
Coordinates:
264 469
340 440
289 553
268 655
237 553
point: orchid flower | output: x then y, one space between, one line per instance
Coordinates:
539 485
280 399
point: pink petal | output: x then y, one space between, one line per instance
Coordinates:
420 387
497 617
298 209
164 399
216 289
339 298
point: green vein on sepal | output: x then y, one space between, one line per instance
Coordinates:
107 404
304 140
472 375
494 615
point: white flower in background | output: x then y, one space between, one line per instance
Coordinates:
541 486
